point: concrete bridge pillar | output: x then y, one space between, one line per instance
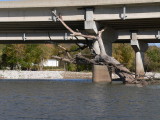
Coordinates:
139 48
101 73
90 25
109 36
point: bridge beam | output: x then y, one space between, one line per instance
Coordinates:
90 25
147 36
119 36
139 47
101 13
16 37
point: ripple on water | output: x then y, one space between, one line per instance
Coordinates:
48 100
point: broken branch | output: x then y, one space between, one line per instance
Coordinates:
72 31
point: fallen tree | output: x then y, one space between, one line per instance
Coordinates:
99 59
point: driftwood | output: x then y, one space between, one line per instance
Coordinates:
120 69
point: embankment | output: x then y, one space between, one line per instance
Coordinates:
12 74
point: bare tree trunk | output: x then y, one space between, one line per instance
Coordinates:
122 71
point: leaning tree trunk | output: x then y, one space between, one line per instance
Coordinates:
120 70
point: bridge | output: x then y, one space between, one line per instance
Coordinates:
128 21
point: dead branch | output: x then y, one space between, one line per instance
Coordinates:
69 51
91 61
72 31
122 71
68 54
63 59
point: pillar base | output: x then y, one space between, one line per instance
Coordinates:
101 74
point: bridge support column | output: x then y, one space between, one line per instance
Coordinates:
139 48
101 73
109 36
90 25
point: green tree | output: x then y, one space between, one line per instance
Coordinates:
13 55
26 56
44 52
124 54
152 58
79 67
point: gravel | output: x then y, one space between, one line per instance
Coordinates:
13 74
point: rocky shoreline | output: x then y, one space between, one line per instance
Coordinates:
13 74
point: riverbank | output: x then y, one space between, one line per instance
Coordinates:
13 74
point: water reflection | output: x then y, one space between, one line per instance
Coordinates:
48 100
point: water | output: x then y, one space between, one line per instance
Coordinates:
48 100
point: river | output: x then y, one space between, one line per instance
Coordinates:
50 100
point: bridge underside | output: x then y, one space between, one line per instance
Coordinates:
36 24
54 32
39 26
133 24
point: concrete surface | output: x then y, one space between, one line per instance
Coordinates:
101 74
60 3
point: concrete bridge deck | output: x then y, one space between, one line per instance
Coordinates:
35 18
70 3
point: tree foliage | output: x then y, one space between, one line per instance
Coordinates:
152 58
124 54
13 55
26 56
30 56
78 67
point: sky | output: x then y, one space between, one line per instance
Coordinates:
154 44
